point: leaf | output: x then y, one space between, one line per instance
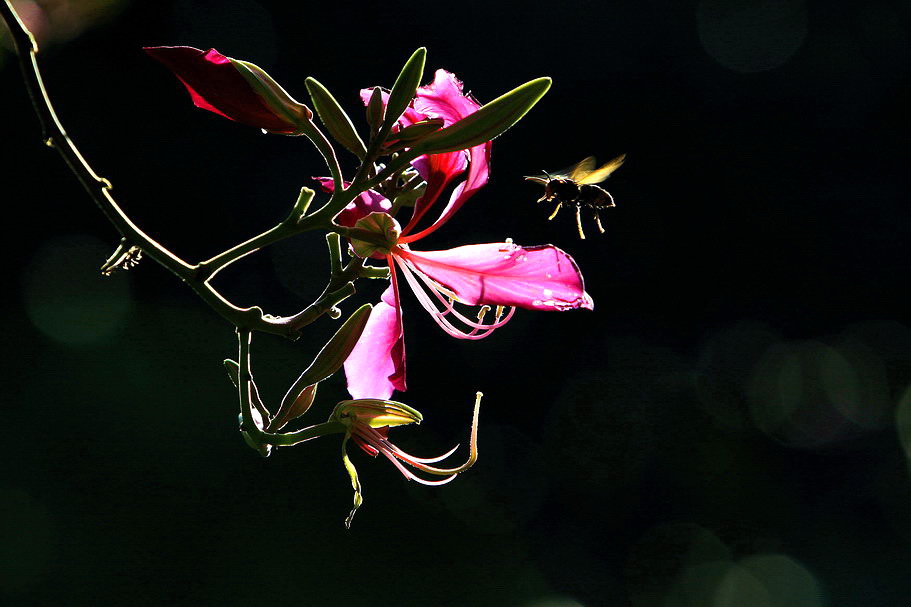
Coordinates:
490 121
404 89
334 117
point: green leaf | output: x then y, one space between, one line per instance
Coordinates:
404 89
490 121
334 117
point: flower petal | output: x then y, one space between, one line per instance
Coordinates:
478 176
215 84
443 98
364 204
376 366
504 274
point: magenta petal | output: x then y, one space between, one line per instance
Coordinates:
364 204
376 366
478 176
503 274
215 85
438 170
443 98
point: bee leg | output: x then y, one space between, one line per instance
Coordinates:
579 222
598 221
556 210
542 198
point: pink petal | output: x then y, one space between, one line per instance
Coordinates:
215 84
365 203
443 98
478 176
503 274
376 366
438 170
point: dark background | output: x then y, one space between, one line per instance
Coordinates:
726 428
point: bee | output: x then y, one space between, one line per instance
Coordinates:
576 186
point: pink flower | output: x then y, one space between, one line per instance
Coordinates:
368 422
494 275
364 204
497 277
442 99
235 89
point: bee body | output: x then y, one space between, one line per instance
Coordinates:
577 187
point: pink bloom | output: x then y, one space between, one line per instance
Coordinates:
498 277
443 99
234 89
365 203
368 422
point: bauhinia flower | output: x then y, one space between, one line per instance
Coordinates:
443 100
235 89
493 276
368 422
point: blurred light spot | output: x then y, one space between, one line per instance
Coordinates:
697 585
65 295
507 491
751 35
292 261
794 390
665 553
25 529
785 581
903 421
867 401
738 588
56 21
724 367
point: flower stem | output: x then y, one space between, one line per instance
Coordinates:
248 425
195 276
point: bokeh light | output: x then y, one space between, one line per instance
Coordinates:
66 297
751 35
797 392
57 21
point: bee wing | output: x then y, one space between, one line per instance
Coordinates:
599 175
578 170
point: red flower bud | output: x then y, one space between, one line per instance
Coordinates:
235 89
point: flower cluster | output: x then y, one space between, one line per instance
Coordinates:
438 140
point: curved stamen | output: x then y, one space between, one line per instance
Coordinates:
439 291
409 271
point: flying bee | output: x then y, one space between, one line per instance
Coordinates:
576 186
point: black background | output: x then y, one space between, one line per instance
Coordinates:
723 429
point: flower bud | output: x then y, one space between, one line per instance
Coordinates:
375 235
237 90
375 413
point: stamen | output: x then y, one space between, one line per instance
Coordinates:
479 330
484 310
499 312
